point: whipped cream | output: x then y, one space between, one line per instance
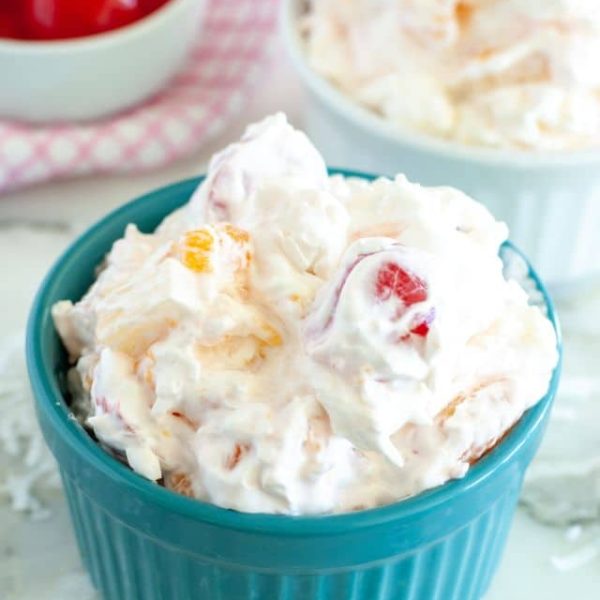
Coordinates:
499 73
296 343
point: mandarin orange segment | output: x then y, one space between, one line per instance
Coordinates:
180 483
185 419
239 451
485 53
450 409
236 234
271 336
148 377
197 246
463 12
196 261
200 239
195 249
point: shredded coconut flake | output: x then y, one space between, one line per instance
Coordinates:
577 559
30 468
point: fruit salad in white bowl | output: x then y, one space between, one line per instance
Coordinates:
499 99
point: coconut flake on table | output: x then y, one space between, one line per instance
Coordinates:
30 471
562 485
587 540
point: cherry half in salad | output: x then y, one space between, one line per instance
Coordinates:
65 19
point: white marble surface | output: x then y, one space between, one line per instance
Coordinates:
38 559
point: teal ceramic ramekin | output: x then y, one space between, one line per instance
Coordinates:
140 541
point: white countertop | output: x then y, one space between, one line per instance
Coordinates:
38 558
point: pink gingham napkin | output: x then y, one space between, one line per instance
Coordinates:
209 91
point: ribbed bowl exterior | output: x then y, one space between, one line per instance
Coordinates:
553 213
124 564
140 541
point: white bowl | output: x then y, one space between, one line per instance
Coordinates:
92 77
550 201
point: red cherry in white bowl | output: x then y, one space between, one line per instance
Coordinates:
77 60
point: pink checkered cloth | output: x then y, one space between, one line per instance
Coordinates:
197 105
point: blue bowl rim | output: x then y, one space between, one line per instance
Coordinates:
50 400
